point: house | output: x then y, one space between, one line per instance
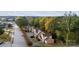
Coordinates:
10 18
2 24
42 36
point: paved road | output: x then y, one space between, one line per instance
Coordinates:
19 40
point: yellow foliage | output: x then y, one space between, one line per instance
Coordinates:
48 23
5 37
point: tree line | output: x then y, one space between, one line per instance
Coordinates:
66 27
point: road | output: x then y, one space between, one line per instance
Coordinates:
19 40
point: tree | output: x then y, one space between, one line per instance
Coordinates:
67 25
76 30
21 21
1 31
49 25
31 21
42 22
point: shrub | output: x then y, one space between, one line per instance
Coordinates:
9 25
1 31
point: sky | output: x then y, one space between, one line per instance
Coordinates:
34 13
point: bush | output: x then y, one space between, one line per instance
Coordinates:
62 39
5 37
1 31
10 25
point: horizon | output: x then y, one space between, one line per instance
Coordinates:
35 13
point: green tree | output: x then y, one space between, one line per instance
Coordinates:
21 21
67 25
1 31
